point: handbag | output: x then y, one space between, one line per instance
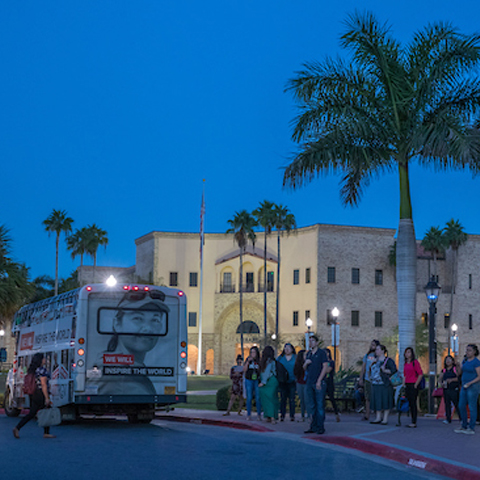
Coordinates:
438 392
396 379
49 417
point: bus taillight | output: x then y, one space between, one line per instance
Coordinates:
183 354
146 288
81 351
81 341
126 287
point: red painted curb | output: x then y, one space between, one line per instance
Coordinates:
217 423
402 456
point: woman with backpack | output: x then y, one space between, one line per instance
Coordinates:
412 374
382 390
40 398
269 385
287 385
450 382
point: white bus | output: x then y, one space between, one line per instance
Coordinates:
120 349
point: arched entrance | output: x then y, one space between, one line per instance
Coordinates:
192 358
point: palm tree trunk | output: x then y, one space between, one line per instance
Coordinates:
278 284
265 290
406 268
241 301
452 291
56 262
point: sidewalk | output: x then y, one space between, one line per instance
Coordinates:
433 446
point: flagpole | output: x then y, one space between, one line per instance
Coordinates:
200 308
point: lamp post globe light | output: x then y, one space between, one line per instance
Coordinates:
335 314
308 324
432 291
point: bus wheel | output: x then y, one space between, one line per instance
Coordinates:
9 409
142 418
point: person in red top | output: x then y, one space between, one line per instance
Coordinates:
412 375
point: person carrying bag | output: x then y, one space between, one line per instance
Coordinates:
40 397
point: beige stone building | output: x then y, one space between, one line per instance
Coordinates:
322 267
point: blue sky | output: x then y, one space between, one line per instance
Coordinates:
116 110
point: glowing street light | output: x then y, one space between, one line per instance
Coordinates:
111 281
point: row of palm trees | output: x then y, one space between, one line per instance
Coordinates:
84 241
269 216
437 240
382 108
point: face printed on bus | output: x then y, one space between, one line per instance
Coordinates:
146 323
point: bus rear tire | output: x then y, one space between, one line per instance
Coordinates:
10 411
135 418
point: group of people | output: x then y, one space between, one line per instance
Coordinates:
460 385
306 373
309 374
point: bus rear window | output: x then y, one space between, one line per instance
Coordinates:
131 321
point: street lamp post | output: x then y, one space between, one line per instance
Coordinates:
432 290
454 339
335 313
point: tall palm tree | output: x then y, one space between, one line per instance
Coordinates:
242 225
95 237
284 222
265 216
58 222
384 107
78 243
455 237
434 242
15 287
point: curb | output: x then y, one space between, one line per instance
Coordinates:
401 456
217 423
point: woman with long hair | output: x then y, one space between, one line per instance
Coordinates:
299 373
412 374
470 372
236 375
382 390
287 389
41 397
269 385
251 371
449 380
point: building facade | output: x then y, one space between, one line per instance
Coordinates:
321 267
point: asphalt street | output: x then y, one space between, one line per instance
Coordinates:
113 449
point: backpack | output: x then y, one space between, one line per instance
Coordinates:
29 384
282 373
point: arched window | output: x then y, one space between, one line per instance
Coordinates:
248 327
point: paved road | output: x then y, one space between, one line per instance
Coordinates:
114 449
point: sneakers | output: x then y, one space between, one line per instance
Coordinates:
16 433
446 422
466 431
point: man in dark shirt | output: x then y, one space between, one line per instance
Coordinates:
316 365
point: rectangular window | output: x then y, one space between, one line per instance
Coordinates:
227 286
446 320
307 314
470 281
192 319
249 287
307 275
295 319
425 318
193 279
378 319
355 275
174 279
329 317
270 281
331 275
378 277
296 277
355 318
470 322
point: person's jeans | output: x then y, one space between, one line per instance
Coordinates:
252 388
287 392
469 396
316 406
302 397
451 397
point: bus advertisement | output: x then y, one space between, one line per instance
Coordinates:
120 349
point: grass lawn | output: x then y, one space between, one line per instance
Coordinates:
199 402
207 382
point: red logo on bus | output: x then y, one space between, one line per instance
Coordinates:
115 359
26 341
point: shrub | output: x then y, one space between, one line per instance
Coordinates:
223 397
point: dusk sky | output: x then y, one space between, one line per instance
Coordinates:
116 110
